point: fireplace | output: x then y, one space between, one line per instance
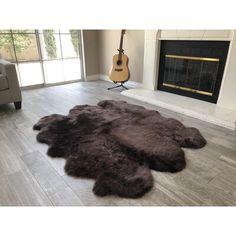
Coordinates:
192 68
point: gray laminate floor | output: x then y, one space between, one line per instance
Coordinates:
29 177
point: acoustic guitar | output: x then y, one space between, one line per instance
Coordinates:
119 72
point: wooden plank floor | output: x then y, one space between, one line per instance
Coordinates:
29 177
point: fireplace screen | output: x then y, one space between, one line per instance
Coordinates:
194 74
192 68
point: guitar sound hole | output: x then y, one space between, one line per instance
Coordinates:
119 62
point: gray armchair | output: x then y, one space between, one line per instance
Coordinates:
9 85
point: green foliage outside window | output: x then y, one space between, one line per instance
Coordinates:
50 43
21 42
75 40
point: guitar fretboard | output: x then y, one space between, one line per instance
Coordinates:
121 45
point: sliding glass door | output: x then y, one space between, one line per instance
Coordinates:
60 55
43 56
27 57
51 56
70 46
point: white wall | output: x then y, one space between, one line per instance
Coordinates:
91 52
133 46
227 96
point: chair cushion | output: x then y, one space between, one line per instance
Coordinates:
3 82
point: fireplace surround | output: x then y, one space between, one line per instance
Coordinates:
222 113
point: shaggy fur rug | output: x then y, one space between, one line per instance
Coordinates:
117 144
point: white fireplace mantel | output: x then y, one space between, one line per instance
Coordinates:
226 103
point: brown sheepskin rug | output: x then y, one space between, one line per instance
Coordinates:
117 144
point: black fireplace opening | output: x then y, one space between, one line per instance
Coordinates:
192 68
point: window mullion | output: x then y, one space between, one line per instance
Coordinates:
40 55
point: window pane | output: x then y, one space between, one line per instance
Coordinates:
30 73
50 45
72 69
64 31
55 31
24 31
53 71
6 47
5 31
70 44
26 47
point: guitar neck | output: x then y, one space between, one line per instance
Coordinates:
121 44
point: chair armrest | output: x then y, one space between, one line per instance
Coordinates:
9 70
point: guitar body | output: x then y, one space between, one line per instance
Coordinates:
119 71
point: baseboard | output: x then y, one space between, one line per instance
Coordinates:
105 78
92 77
129 83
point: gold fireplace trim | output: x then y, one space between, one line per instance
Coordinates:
188 89
193 58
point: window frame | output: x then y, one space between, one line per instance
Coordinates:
41 60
